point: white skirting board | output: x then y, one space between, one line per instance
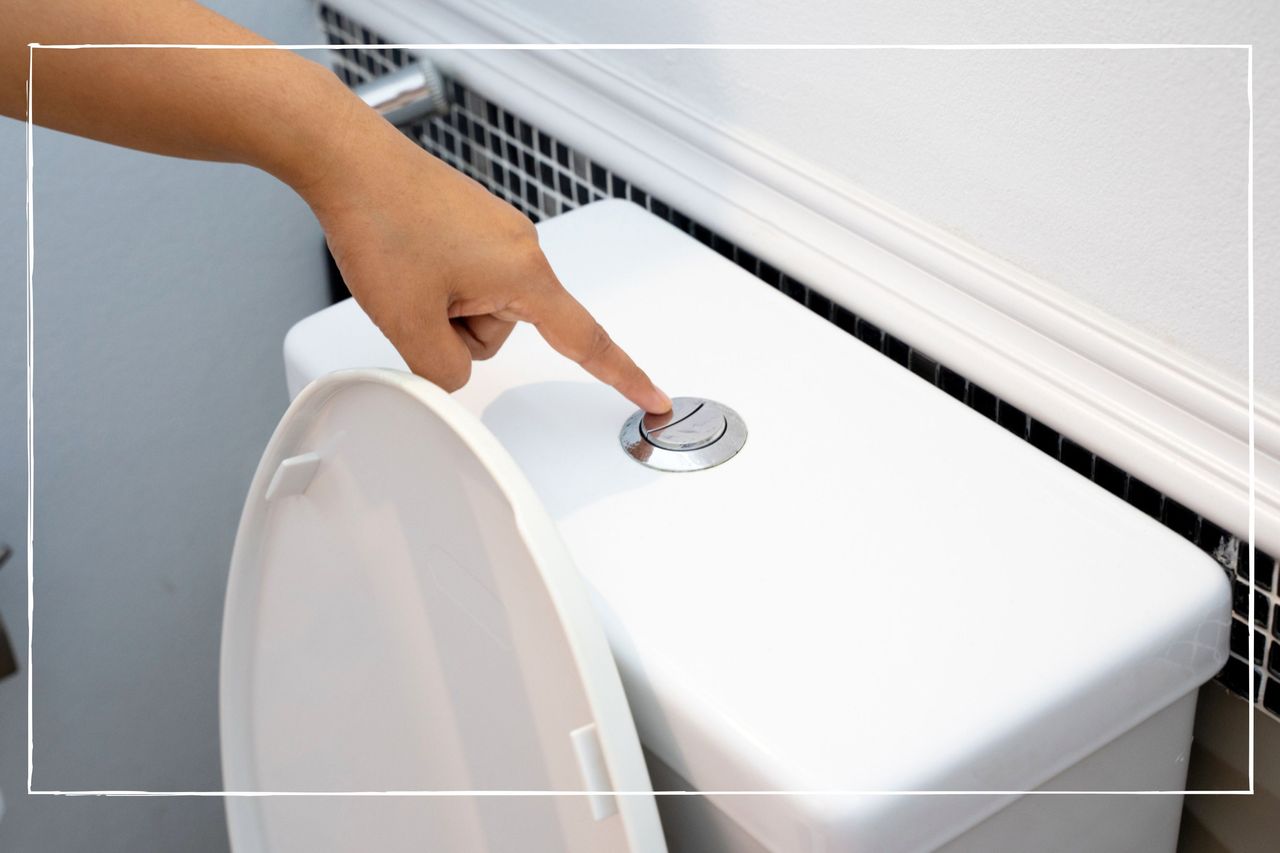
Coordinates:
1172 422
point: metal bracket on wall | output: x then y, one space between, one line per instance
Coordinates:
8 663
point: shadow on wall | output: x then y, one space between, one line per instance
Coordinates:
1219 762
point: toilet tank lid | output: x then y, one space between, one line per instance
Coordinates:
882 591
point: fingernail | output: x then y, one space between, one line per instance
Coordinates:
664 402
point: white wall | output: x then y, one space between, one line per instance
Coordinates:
163 291
1119 177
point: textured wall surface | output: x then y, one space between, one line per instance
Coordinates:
163 291
1119 177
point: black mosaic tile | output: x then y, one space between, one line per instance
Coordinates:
1239 638
1273 659
1211 536
923 366
1235 676
542 176
1240 635
336 285
1044 437
1144 497
844 319
1076 457
1271 699
897 350
1011 418
951 382
1240 598
1179 519
792 288
1264 568
769 275
981 400
869 333
1109 476
818 304
599 177
722 246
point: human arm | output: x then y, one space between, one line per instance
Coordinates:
441 266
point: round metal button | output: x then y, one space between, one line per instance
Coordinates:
695 434
689 425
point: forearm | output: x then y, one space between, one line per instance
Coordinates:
267 108
441 265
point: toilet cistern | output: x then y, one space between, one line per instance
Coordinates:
695 434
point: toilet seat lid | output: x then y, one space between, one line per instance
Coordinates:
402 616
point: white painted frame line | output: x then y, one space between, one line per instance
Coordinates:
482 46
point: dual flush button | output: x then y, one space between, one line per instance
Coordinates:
695 434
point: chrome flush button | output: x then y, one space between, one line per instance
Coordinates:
690 424
695 434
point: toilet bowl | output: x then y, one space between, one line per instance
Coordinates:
882 609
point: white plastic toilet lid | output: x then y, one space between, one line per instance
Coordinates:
402 616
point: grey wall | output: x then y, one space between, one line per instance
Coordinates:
163 289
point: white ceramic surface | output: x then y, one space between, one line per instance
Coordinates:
882 591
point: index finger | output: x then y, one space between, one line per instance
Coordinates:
571 331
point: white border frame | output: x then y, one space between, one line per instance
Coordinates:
482 46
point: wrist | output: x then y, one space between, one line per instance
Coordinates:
331 132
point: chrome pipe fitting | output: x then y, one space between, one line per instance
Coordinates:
408 94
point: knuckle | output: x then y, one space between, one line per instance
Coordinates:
448 370
455 375
519 234
522 228
526 253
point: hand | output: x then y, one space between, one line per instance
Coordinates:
441 266
445 269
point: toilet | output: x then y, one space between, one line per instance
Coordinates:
874 625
